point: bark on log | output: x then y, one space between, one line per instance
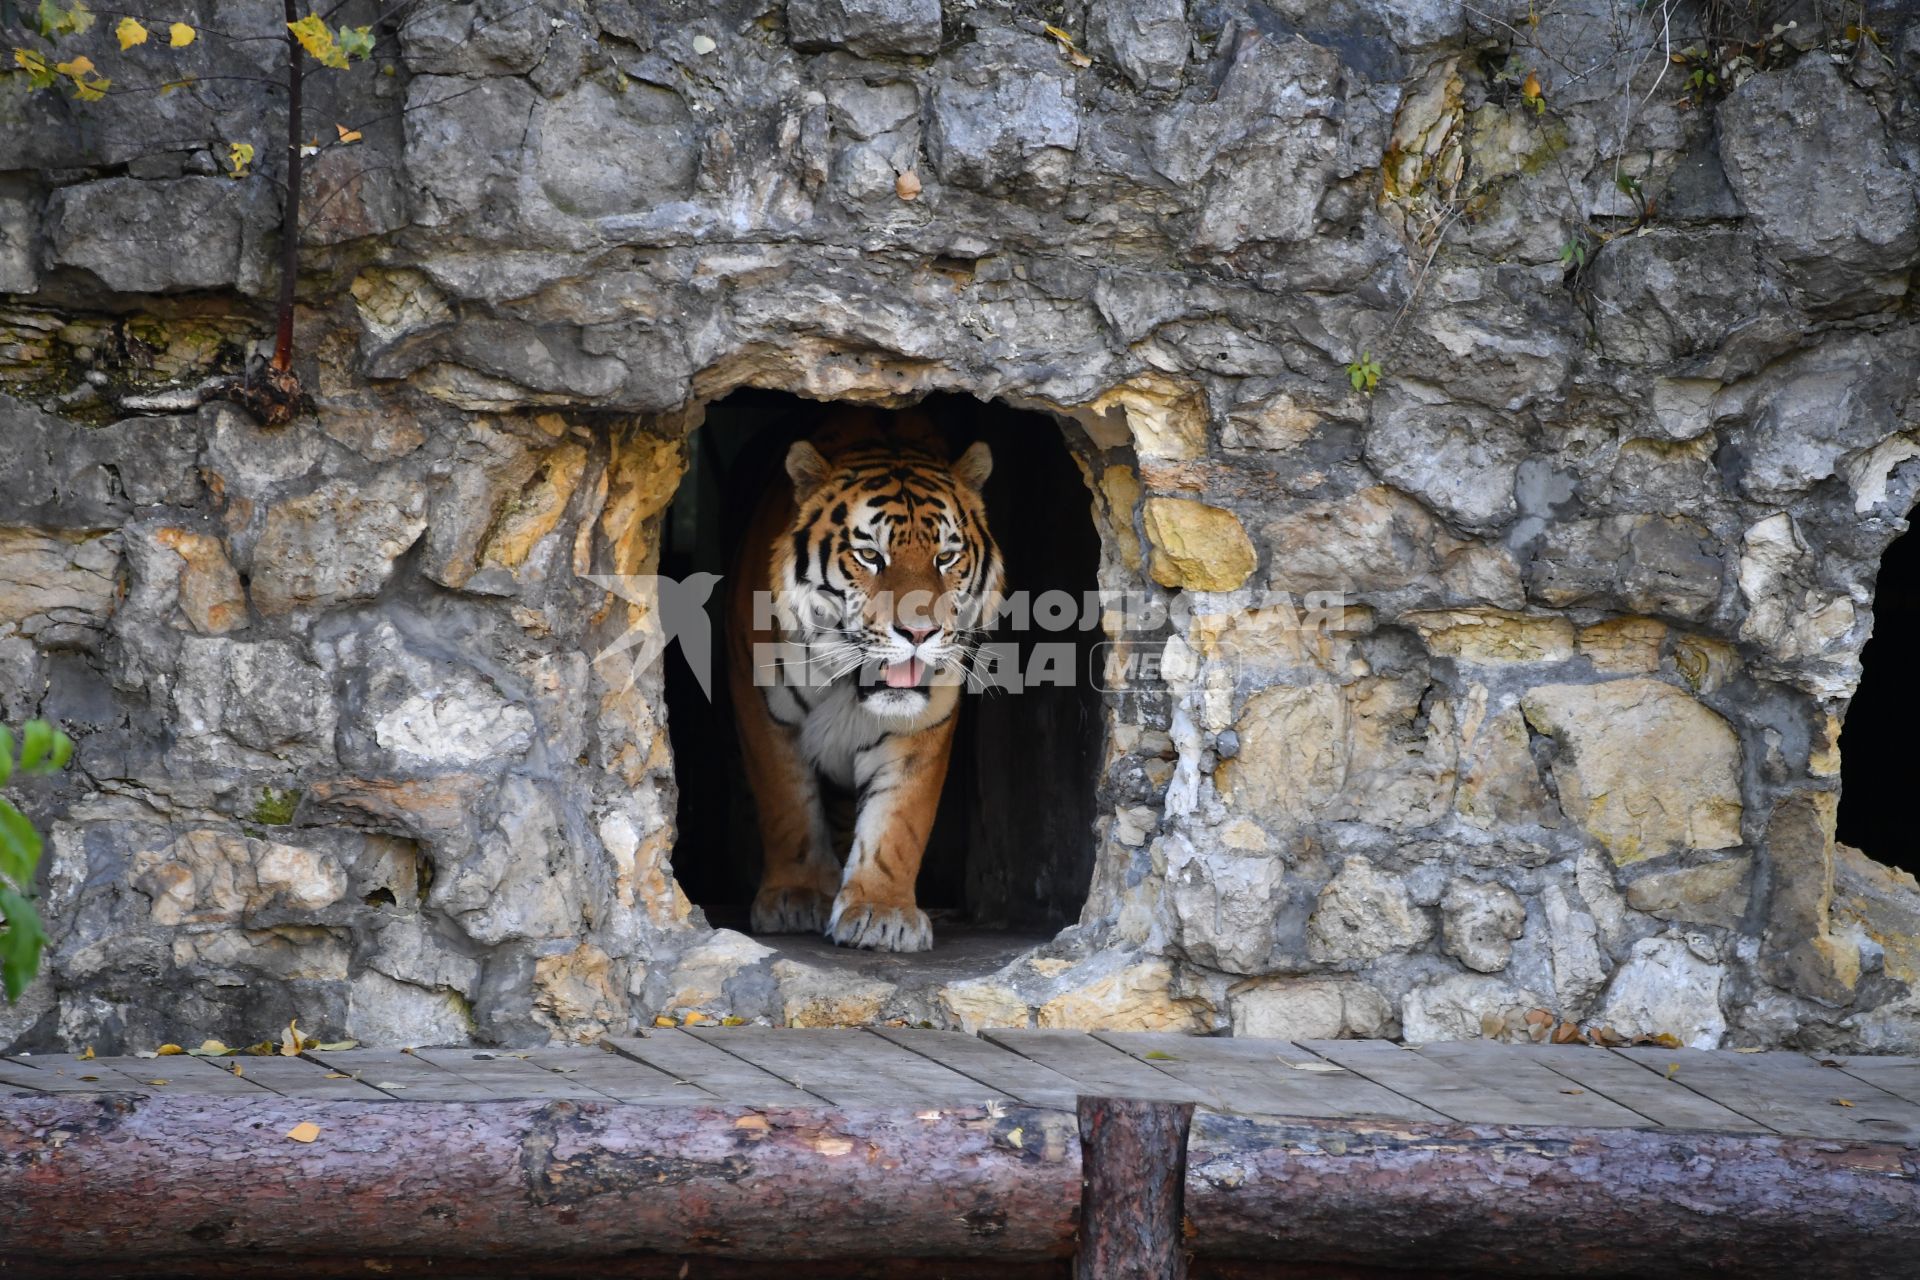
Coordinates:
1551 1201
1133 1178
153 1179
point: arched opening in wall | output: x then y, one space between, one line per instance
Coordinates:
1011 854
1876 769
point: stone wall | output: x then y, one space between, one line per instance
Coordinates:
1607 528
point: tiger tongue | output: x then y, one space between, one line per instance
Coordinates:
905 675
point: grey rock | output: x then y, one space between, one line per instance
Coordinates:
1460 459
1363 914
1147 39
256 706
870 28
1003 117
1664 988
1479 921
162 237
599 151
1807 156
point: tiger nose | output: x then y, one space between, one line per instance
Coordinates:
914 634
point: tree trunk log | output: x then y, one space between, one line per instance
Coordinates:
1551 1201
187 1180
1133 1184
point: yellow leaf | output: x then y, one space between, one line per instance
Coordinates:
1059 35
180 35
88 1055
334 1046
130 32
1841 1102
168 1050
76 68
664 1021
156 1083
290 1038
1673 1069
695 1018
212 1047
348 135
337 1075
237 1071
91 90
1017 1137
315 37
305 1131
731 1021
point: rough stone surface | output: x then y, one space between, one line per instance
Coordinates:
1667 988
1362 914
1525 656
1479 922
1607 733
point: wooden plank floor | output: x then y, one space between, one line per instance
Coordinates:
1477 1082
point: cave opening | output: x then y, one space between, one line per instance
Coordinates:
1875 770
1011 854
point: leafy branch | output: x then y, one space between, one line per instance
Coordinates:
42 749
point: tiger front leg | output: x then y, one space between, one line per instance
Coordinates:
798 871
900 779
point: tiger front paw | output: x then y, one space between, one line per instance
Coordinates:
872 927
790 909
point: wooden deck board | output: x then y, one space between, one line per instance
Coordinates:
1268 1077
1528 1082
1897 1074
404 1075
1100 1068
297 1078
1000 1071
1473 1082
711 1074
1788 1092
1462 1094
848 1067
613 1074
1671 1104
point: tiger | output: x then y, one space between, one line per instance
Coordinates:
880 569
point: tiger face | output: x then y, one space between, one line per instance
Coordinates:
888 574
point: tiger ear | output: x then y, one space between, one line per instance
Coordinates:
974 466
808 468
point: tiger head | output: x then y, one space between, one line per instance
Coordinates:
888 573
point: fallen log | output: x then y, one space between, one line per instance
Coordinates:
1532 1201
118 1177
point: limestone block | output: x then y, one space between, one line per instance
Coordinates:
1364 913
1608 733
1573 950
811 997
1713 893
1464 1006
1309 1009
56 579
870 28
1664 988
261 705
1137 997
1197 546
1808 156
336 544
1479 922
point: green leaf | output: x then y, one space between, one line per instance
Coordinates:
20 944
36 739
356 42
6 754
19 847
61 753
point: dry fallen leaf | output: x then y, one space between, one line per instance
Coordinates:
1315 1066
1159 1055
290 1040
907 185
664 1021
305 1131
167 1051
87 1055
755 1124
346 134
157 1083
1017 1137
336 1075
1841 1102
1673 1069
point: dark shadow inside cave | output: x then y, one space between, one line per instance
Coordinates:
1875 769
1012 846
